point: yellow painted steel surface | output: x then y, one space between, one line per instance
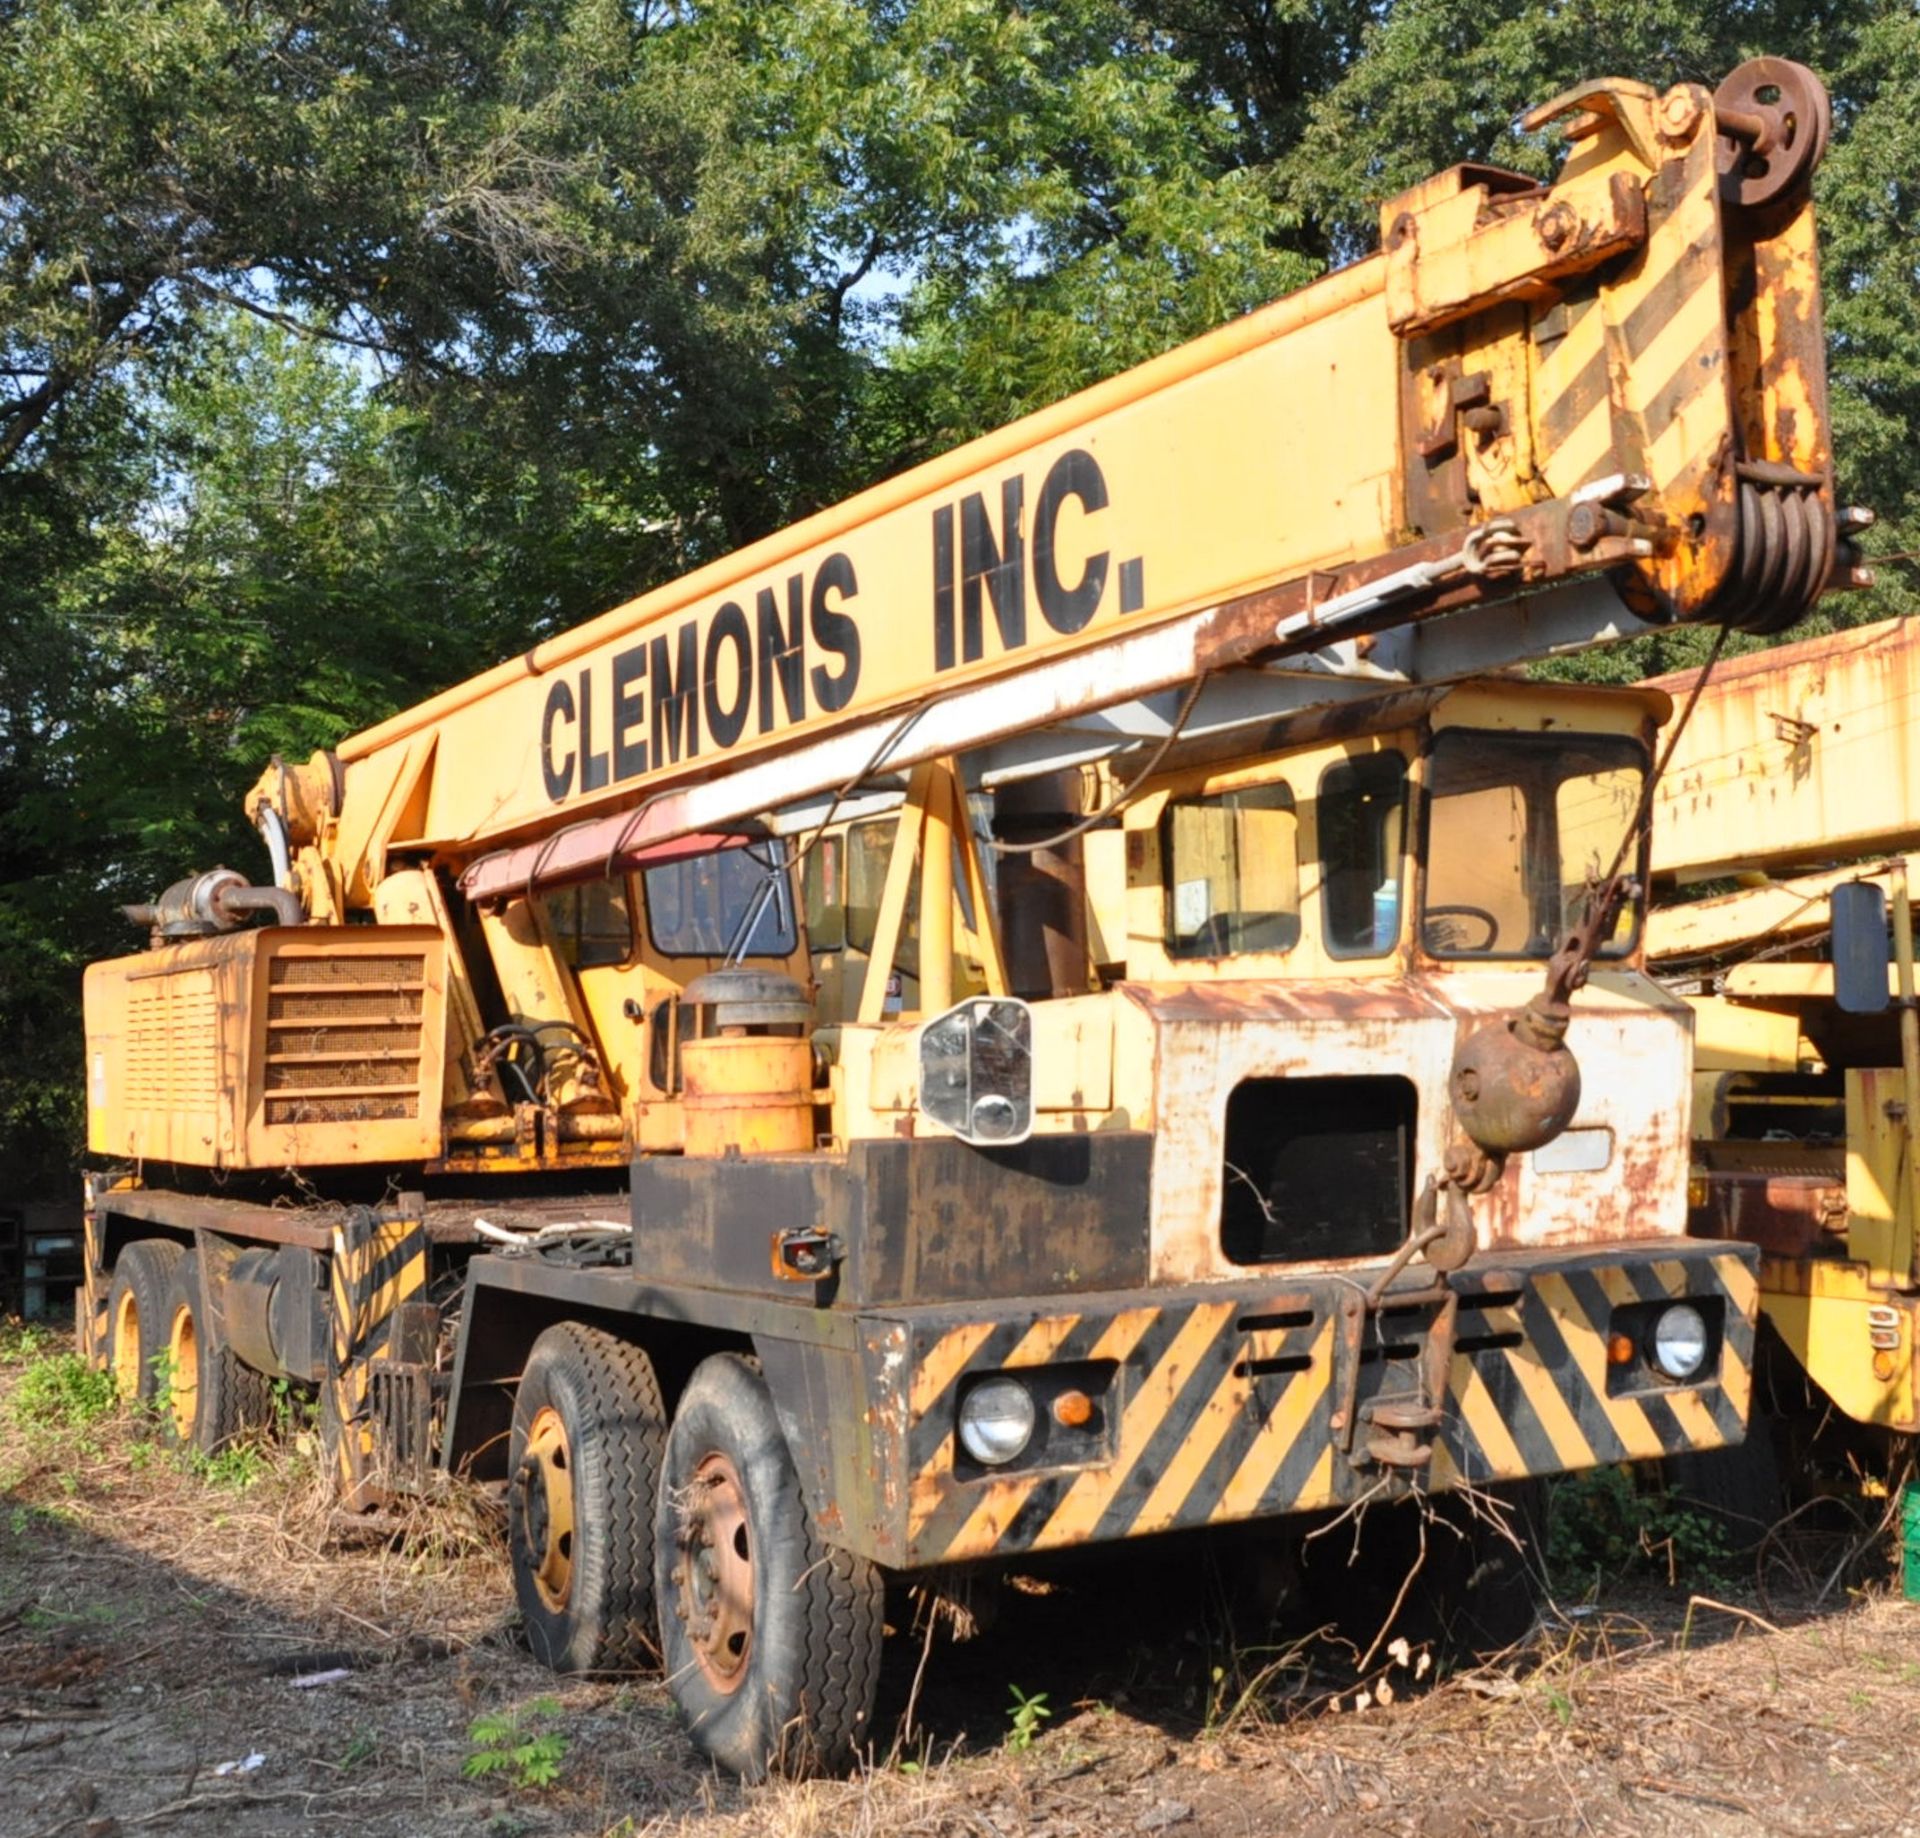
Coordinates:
748 1094
1854 1337
1774 913
1797 755
1512 345
1806 753
280 1048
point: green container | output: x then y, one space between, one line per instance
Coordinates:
1910 1541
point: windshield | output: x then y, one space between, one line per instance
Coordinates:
702 906
1520 829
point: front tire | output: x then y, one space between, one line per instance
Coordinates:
771 1638
584 1465
139 1303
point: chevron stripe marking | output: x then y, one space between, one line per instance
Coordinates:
1177 1480
942 1362
1482 1417
1741 1285
987 1523
996 1509
1694 1418
925 1492
1735 1380
1317 1488
1576 422
342 1321
1042 1341
1684 424
1588 1352
408 1281
1672 1274
1080 1507
1562 1429
1284 1421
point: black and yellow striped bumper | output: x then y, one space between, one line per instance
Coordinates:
1230 1402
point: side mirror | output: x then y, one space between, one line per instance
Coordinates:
976 1071
1860 949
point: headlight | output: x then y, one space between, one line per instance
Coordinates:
1679 1341
996 1421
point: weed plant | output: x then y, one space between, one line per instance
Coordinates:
511 1743
1609 1524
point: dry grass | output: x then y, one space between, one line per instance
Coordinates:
151 1620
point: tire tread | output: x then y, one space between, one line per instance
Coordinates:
618 1389
831 1674
150 1268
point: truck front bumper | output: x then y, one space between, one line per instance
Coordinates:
1201 1405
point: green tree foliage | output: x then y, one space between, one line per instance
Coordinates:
1869 194
349 345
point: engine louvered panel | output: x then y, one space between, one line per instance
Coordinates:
367 1006
307 972
344 1038
173 1044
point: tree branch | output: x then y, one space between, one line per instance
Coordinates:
27 412
306 328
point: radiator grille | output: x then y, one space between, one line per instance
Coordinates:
173 1043
344 1038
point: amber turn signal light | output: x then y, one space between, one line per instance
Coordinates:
1620 1350
1073 1410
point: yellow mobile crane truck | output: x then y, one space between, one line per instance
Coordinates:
1796 777
598 1103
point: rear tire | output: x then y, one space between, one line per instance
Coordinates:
584 1465
216 1398
139 1302
771 1637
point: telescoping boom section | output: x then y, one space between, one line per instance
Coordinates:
1072 996
1796 779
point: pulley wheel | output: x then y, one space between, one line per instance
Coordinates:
1774 120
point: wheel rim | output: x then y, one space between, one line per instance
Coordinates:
546 1479
126 1345
183 1371
715 1574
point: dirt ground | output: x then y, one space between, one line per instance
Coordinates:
156 1624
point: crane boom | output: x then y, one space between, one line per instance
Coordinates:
1617 374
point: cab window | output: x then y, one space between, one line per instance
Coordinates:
1231 868
846 875
591 923
1520 829
1362 822
731 902
823 891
